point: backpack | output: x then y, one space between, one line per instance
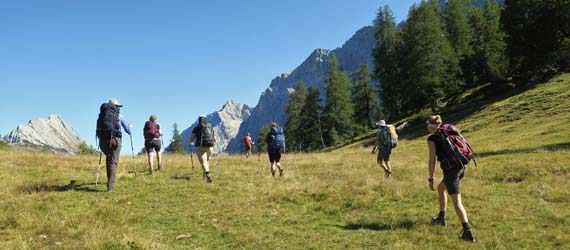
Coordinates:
150 131
206 135
277 138
394 135
385 138
455 146
107 122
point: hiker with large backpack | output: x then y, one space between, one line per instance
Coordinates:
152 142
247 143
384 144
108 132
275 141
203 139
451 149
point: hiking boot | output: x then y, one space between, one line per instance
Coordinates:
208 178
467 235
387 173
280 172
439 221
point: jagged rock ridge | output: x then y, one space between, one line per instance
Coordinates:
273 101
52 133
225 123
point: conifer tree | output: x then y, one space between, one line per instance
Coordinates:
310 117
387 62
364 99
338 112
294 128
429 68
177 142
538 37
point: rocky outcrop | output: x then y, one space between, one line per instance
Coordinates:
273 101
52 133
225 122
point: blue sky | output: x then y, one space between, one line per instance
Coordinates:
175 59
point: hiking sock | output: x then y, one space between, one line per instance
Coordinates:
441 214
466 226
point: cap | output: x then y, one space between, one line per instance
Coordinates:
115 102
381 123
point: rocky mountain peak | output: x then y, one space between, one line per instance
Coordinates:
53 133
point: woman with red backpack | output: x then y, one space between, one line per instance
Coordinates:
152 142
453 171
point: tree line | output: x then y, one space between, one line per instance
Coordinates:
429 61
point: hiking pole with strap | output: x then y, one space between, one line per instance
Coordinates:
133 153
192 158
258 159
98 165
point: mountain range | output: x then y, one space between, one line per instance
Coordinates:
52 133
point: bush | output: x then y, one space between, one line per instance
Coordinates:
85 149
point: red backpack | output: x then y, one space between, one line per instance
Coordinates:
150 130
455 146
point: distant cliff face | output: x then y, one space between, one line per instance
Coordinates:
52 133
273 101
225 123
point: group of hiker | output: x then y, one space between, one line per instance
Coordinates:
445 144
451 149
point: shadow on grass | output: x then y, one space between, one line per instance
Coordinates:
550 147
180 177
379 227
39 188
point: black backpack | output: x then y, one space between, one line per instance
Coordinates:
107 123
206 136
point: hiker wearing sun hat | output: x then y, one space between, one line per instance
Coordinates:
384 144
108 132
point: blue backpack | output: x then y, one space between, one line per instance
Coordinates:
277 138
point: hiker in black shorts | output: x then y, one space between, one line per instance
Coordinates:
152 142
384 146
453 172
275 146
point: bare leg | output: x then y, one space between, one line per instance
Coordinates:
459 209
442 197
388 165
159 159
149 158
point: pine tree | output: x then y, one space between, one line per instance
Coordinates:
387 62
364 99
338 112
429 68
538 37
458 31
177 142
312 131
294 131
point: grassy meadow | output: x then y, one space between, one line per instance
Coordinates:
518 197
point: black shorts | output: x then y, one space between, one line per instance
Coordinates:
452 174
247 147
151 145
384 154
274 154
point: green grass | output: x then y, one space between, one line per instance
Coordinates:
517 198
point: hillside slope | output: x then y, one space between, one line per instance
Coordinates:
517 198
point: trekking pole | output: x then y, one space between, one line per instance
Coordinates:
98 168
258 160
192 159
133 153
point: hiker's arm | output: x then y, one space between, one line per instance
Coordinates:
431 162
191 140
376 143
126 127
